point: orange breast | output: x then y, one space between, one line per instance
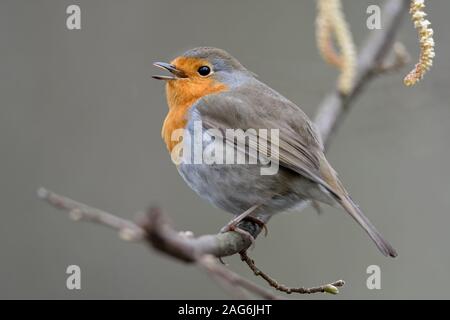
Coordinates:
181 95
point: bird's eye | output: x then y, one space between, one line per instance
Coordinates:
204 71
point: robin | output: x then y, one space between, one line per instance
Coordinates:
208 86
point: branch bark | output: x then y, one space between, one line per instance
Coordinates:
335 106
154 228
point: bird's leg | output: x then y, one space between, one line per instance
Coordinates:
316 206
235 221
233 224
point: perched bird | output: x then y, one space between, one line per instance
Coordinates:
209 86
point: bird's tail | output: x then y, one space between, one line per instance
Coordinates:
343 198
347 203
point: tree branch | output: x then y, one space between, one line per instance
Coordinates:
378 45
155 230
328 288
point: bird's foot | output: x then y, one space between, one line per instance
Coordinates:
260 223
233 225
236 220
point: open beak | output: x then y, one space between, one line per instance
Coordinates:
176 74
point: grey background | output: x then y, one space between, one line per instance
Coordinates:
80 115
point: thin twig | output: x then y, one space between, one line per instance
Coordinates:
78 211
328 288
400 60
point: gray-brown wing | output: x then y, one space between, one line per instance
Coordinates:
300 149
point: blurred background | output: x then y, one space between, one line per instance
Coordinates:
81 115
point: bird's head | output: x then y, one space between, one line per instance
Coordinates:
199 72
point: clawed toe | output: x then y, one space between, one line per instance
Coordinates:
260 223
233 225
246 234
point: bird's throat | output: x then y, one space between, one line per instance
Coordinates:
181 96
